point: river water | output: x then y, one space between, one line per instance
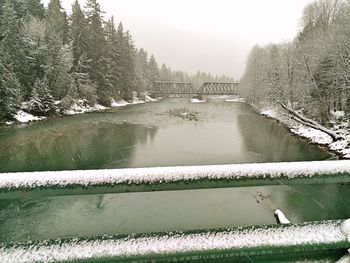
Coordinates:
147 135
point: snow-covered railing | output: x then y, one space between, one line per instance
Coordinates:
261 241
17 185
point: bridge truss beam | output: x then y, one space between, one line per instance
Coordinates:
219 88
186 88
173 88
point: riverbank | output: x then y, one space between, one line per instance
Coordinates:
78 107
340 147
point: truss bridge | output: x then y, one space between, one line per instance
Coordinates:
219 88
187 88
173 88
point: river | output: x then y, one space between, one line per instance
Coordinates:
147 135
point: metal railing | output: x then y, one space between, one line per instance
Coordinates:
18 185
243 244
239 243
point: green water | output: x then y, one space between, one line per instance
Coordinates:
145 135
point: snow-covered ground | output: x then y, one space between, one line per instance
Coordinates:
226 98
197 100
342 147
235 100
24 117
79 107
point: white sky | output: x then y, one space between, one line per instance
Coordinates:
208 35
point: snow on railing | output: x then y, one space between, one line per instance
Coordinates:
14 185
242 241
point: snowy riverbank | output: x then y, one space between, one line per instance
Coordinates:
341 147
79 107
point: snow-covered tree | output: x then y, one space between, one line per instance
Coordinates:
11 41
10 95
153 70
41 101
86 87
97 52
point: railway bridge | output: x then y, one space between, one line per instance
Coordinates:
187 88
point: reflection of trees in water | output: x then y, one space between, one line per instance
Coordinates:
317 202
299 202
21 219
273 142
65 147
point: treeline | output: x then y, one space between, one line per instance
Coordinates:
311 73
49 59
167 74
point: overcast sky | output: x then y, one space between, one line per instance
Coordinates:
208 35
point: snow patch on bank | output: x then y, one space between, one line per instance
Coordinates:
338 114
314 135
81 106
24 117
197 101
119 103
235 100
271 113
149 99
123 103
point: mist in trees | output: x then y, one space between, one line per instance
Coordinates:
48 59
311 73
167 74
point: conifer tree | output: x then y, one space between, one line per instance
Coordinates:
96 52
141 70
35 8
35 48
85 86
59 54
153 70
41 101
113 58
9 88
59 71
165 74
57 20
78 33
126 63
2 2
12 42
120 61
128 72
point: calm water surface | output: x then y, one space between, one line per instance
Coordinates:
145 135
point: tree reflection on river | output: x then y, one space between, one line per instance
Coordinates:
69 147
